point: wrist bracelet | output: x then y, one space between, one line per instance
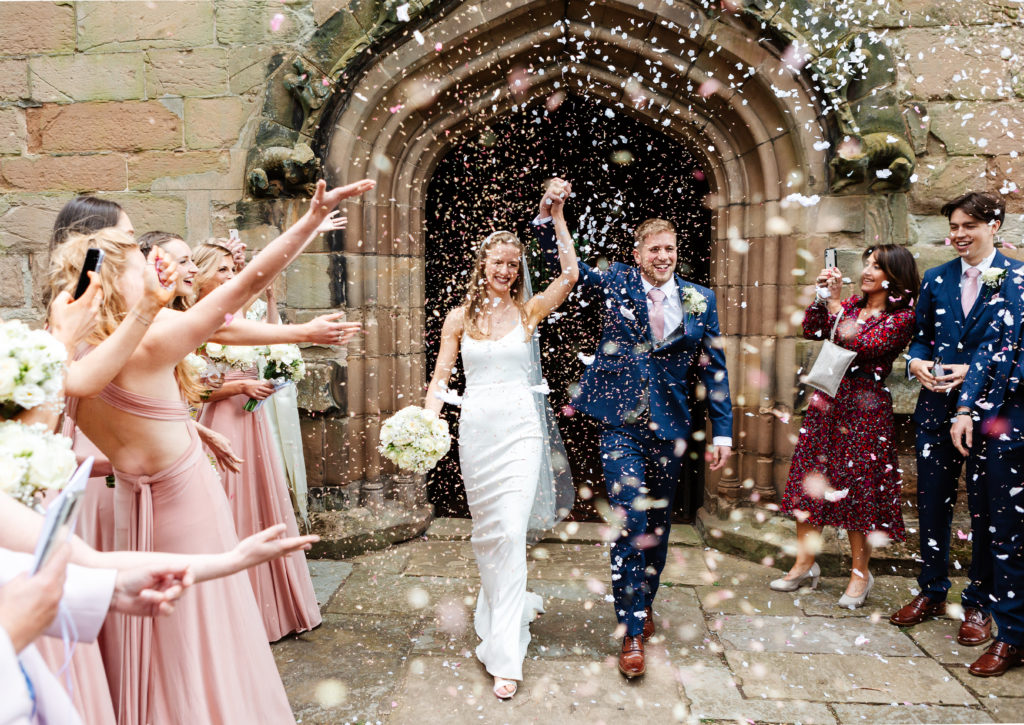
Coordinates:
147 321
965 412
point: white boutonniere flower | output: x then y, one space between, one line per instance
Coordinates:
694 303
993 277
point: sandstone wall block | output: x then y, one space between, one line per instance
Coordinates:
36 27
87 77
12 131
193 72
96 172
941 179
137 25
243 22
26 226
145 167
215 122
127 126
12 280
13 79
153 211
973 128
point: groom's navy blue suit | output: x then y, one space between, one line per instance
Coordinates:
641 455
943 331
994 388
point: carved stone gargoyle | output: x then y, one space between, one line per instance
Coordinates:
881 158
278 170
310 94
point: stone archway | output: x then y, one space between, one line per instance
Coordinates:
760 141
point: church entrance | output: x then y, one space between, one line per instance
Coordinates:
623 171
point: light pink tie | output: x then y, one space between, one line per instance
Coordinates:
970 290
657 298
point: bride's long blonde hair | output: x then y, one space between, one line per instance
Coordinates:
476 292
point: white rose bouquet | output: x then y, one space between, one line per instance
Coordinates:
236 357
33 460
415 439
31 368
282 364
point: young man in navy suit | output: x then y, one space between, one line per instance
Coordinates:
952 314
994 392
656 327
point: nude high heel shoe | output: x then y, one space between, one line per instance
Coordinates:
791 585
857 602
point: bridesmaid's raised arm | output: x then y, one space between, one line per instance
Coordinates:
179 335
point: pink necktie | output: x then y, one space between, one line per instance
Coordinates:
657 298
970 291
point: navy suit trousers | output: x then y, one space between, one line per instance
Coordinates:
642 474
938 474
1004 463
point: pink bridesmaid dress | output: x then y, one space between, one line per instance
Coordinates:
207 663
259 498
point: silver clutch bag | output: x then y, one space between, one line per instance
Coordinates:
830 366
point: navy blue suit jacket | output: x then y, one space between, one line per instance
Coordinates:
626 361
943 331
997 365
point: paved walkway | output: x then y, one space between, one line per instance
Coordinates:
397 643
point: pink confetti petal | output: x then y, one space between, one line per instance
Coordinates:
275 22
437 47
228 318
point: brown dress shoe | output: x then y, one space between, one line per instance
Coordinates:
631 658
919 609
649 623
975 629
998 658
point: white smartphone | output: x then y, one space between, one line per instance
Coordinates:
831 258
61 516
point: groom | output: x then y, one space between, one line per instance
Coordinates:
656 327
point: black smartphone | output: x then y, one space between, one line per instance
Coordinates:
831 258
93 260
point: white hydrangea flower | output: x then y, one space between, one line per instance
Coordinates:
31 368
32 459
415 439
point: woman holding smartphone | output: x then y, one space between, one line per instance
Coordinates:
844 471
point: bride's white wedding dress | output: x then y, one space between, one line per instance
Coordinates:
500 441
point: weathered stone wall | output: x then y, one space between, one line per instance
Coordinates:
158 105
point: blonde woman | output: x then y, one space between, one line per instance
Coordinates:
501 433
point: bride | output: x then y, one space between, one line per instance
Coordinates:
501 431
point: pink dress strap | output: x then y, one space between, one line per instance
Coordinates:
248 374
143 405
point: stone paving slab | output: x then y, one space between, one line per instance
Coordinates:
554 691
900 714
678 619
750 600
1009 685
327 576
888 594
937 637
846 678
576 532
815 635
1006 709
390 594
442 558
713 695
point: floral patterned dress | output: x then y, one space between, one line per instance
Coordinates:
844 471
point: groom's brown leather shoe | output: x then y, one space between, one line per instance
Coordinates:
919 609
975 629
998 658
631 658
649 623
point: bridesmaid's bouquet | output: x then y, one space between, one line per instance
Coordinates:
281 364
415 439
31 368
33 460
233 357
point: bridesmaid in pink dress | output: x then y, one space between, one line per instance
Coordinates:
209 662
259 492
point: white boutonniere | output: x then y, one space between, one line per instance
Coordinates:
993 277
694 303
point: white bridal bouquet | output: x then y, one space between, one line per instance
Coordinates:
415 439
33 460
31 368
237 357
282 364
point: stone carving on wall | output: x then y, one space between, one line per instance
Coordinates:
308 93
282 171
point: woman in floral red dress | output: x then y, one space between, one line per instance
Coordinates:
844 471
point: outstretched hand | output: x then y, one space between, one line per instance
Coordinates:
149 590
334 221
265 546
553 201
327 330
323 201
71 320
